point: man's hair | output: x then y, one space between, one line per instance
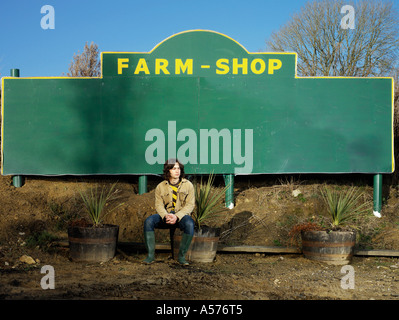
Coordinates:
169 164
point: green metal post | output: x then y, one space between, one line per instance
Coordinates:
17 181
14 73
142 184
229 181
377 198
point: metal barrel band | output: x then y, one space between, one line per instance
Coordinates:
324 256
92 240
306 243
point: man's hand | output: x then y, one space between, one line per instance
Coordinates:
171 218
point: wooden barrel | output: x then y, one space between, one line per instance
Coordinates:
203 246
334 247
92 244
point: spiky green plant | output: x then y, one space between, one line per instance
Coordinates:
344 207
95 201
208 201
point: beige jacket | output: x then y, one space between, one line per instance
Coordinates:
185 202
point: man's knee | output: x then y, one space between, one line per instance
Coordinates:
150 222
148 226
188 224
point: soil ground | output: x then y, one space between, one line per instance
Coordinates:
34 219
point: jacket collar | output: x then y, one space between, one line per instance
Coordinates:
166 182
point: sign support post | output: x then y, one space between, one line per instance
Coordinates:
377 195
229 197
142 184
17 181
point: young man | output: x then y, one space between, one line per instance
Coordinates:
174 203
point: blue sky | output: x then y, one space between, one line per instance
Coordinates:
122 25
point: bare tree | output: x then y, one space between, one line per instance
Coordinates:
324 48
86 64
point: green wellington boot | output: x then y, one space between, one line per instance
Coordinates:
184 245
149 241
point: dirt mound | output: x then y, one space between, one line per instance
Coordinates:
265 211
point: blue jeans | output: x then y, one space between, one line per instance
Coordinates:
186 224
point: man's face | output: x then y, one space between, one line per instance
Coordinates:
175 171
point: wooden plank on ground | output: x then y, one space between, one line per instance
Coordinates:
258 249
377 253
252 249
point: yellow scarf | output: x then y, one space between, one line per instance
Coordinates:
174 193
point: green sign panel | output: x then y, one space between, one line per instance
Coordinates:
201 97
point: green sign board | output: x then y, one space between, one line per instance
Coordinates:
203 98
